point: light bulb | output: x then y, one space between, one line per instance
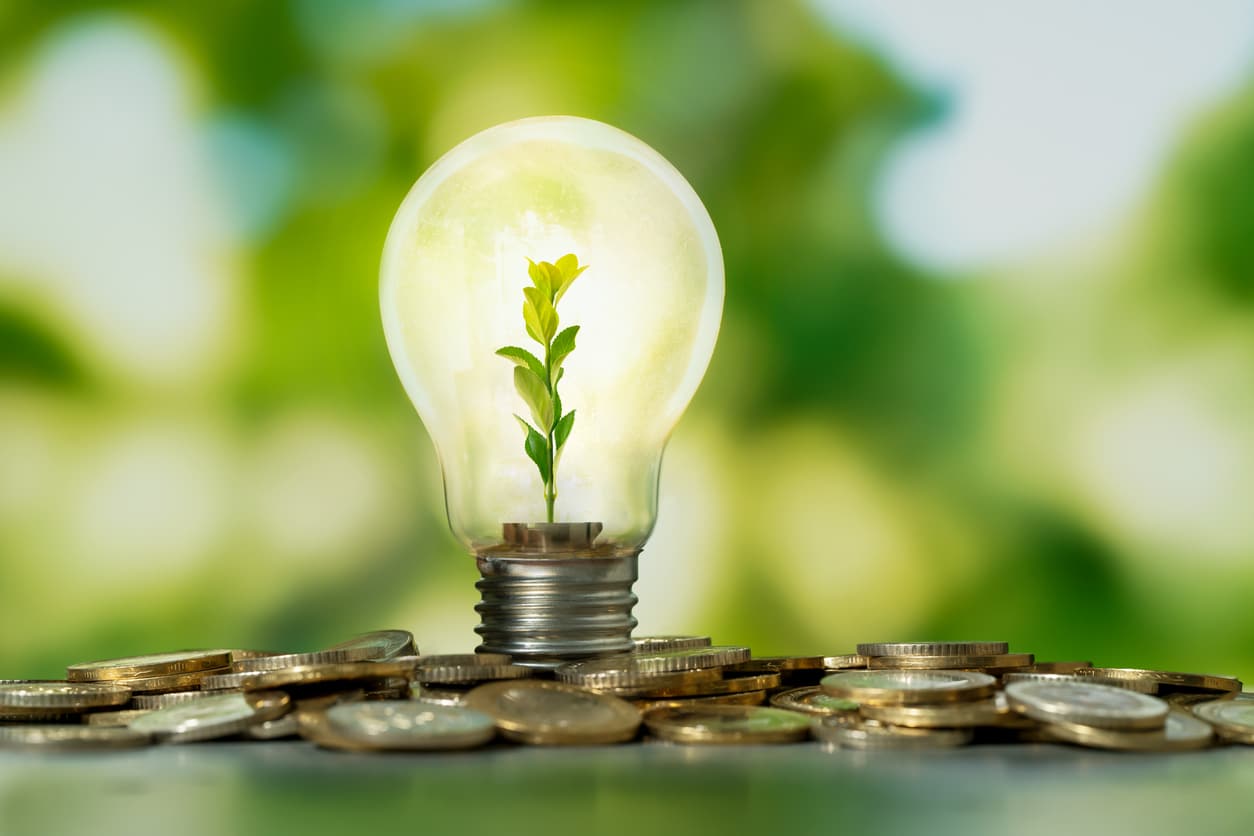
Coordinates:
528 204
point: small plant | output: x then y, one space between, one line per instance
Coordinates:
537 381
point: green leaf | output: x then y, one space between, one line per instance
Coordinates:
563 345
557 378
562 431
532 320
538 451
568 264
540 278
522 422
523 357
559 289
557 407
555 277
544 313
536 395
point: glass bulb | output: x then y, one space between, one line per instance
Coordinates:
455 265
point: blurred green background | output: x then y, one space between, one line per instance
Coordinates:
986 367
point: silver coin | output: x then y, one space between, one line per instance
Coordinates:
1232 719
653 644
813 700
663 661
405 724
214 716
286 726
383 645
150 701
1090 704
70 737
553 713
934 648
65 696
229 681
908 687
866 736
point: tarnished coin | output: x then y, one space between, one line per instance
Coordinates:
468 669
898 687
62 696
1233 719
665 661
653 644
313 675
727 724
214 716
745 698
1000 662
986 712
865 736
150 701
815 701
934 648
1057 667
1169 679
781 664
70 737
1182 732
382 645
552 713
732 684
397 725
1087 703
618 676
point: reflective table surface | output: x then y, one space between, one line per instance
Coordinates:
290 786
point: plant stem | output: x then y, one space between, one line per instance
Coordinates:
550 489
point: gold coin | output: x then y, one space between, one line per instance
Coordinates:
330 656
152 665
1087 703
1057 667
150 701
1182 731
61 697
868 736
307 675
933 648
468 669
624 680
397 725
727 724
115 718
164 684
664 661
1192 681
908 687
726 685
381 645
746 698
985 712
651 644
780 664
813 700
555 714
845 662
1000 662
212 717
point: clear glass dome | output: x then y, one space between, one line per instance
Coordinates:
454 270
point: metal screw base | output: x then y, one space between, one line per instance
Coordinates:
548 610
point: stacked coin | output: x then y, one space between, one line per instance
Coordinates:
374 692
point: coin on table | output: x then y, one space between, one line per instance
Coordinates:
214 716
652 644
439 696
1181 732
902 687
1034 676
163 700
744 698
815 701
933 648
303 676
330 656
1057 667
1087 703
116 718
1233 719
382 645
231 681
732 684
866 736
999 662
151 665
658 662
728 724
70 737
286 726
845 662
553 713
1170 679
468 668
986 712
398 725
619 676
781 664
62 696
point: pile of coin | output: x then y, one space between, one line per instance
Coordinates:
375 693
